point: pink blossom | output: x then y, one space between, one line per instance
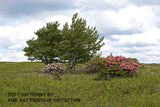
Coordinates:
124 63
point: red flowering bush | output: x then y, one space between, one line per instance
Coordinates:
118 66
55 68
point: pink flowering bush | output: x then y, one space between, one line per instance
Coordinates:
118 66
55 68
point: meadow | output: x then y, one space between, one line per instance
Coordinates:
78 89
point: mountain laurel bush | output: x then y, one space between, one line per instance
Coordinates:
56 69
118 66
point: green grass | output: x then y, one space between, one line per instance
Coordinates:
142 90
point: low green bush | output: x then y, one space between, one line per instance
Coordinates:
94 65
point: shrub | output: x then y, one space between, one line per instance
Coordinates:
55 68
135 60
118 66
93 65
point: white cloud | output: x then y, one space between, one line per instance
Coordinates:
100 4
130 28
150 37
130 19
12 55
13 38
143 46
145 2
17 35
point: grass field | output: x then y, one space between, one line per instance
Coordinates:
18 80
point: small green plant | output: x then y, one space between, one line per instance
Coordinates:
56 69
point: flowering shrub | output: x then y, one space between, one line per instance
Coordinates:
135 60
93 65
56 69
118 66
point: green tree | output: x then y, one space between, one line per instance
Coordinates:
76 43
46 46
79 42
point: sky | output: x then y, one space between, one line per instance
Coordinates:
131 27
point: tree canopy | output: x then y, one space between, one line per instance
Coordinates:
46 46
76 43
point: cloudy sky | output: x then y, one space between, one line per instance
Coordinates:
131 27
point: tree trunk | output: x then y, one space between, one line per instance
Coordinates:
69 65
